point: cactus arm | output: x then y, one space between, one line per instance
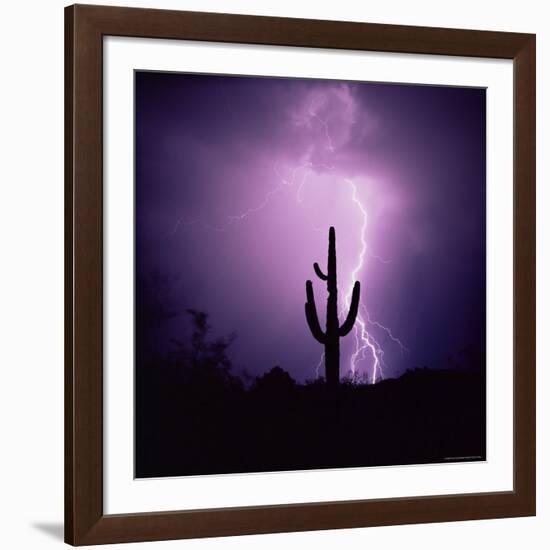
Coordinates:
313 323
352 314
311 315
319 273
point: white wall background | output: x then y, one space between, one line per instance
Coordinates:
31 272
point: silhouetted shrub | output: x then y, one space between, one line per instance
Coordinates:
276 379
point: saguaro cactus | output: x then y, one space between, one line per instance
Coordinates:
330 338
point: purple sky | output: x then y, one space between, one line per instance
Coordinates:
239 178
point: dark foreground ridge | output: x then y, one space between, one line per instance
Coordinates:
194 417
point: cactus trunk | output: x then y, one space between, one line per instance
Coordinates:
330 338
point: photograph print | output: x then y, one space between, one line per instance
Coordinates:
310 274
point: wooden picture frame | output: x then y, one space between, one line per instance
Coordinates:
85 27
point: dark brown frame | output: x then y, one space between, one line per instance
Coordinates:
85 27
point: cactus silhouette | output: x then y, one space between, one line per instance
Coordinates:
330 338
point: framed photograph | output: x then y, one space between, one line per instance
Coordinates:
300 274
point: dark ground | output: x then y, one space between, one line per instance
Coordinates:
193 416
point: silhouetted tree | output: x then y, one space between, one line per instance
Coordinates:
331 337
205 360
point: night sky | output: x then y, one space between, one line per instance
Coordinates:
238 180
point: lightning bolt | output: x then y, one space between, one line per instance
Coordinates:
363 340
366 347
298 179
